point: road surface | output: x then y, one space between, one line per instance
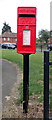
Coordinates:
9 77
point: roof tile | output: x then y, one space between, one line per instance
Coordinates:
9 34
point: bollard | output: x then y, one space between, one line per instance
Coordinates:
46 85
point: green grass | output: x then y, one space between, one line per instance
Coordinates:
12 56
21 92
35 75
35 71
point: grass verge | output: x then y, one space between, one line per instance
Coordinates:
36 67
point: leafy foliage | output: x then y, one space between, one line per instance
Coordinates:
44 35
5 28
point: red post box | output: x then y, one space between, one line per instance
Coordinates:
26 30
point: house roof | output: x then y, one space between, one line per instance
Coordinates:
8 34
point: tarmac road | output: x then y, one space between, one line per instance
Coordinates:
9 77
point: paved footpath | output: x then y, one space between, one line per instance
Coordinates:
9 77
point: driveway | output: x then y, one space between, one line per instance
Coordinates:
9 77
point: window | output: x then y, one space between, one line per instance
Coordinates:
4 39
8 39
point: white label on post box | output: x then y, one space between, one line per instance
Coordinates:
26 37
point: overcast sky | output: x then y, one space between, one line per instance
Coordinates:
8 13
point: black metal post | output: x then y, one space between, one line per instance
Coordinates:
25 82
41 48
50 63
46 85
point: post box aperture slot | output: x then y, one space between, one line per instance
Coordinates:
26 15
26 37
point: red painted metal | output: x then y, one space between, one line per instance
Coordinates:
26 20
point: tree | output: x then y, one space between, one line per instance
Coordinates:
5 28
44 35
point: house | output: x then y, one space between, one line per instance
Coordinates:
8 37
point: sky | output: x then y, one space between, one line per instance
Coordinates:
8 13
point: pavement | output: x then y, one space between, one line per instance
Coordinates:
9 77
